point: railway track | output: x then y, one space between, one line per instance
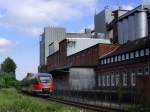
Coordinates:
77 104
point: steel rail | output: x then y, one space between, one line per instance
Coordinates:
77 104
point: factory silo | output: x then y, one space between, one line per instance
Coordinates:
131 28
141 24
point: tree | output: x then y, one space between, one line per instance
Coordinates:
9 66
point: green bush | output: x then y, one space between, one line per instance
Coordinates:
8 80
12 101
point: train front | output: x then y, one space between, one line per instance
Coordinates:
45 84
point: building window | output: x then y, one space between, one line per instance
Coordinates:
108 80
117 78
119 58
147 52
127 56
112 59
125 79
112 79
102 61
140 71
123 57
99 80
137 54
133 79
142 52
104 80
108 60
116 59
147 69
131 55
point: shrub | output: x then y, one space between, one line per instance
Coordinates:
8 80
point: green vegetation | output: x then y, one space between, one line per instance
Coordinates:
7 75
119 91
9 66
12 101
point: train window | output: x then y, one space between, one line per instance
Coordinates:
147 51
45 79
133 79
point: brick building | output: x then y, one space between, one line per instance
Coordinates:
70 63
128 64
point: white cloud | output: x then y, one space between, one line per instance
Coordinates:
30 16
4 42
5 45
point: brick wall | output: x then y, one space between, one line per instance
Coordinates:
87 57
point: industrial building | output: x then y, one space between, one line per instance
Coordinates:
118 53
73 64
50 38
132 25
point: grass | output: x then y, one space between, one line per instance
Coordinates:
12 101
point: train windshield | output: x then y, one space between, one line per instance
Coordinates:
45 78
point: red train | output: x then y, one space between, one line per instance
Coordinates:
40 83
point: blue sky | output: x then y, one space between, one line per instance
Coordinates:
21 23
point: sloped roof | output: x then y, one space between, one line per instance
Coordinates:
130 46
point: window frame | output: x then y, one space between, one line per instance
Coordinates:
103 80
99 80
125 78
112 79
133 82
131 55
112 59
102 61
116 58
123 57
147 51
142 52
127 56
108 79
137 54
117 76
108 60
119 58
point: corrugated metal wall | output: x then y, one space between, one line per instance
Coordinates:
82 78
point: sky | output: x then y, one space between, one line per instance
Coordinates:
22 22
